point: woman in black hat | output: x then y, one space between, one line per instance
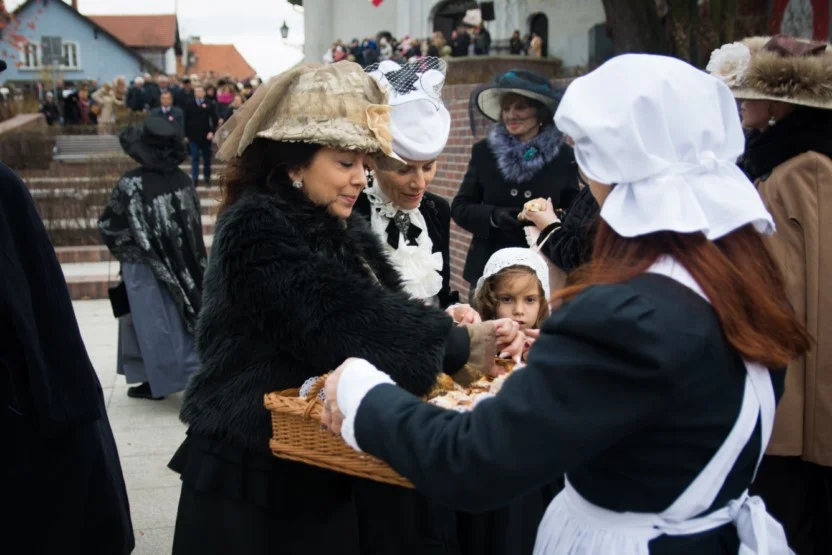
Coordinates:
524 157
153 226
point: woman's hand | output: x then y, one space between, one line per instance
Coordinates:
332 418
542 219
464 314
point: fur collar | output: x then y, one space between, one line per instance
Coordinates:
351 241
518 161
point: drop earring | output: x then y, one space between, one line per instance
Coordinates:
772 122
297 184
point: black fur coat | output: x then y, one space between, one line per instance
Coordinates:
288 295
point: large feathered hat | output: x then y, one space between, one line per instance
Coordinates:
777 68
335 105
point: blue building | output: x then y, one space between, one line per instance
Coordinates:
90 51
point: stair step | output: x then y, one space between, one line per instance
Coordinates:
88 277
92 223
97 253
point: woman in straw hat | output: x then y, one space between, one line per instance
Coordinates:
650 387
295 283
785 86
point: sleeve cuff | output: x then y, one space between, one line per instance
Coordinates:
357 379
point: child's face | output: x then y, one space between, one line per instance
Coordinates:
519 299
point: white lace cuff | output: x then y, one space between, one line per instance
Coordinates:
357 379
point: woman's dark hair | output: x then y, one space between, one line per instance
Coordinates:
545 116
736 272
264 166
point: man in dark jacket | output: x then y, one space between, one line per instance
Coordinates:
461 42
482 42
183 95
152 92
516 46
50 110
200 125
165 86
137 97
170 112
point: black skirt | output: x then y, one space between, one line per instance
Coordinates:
238 500
401 521
511 530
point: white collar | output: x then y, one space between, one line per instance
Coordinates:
379 200
670 267
419 267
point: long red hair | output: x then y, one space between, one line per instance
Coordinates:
736 272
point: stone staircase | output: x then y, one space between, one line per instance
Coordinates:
89 270
83 148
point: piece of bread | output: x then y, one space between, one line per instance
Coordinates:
506 363
535 205
444 384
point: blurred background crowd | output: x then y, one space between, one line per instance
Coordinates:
90 103
465 40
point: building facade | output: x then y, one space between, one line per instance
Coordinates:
563 24
154 37
90 52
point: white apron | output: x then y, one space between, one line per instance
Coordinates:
574 526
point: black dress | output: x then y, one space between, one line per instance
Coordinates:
504 180
630 390
60 475
291 292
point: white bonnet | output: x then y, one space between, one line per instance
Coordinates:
668 136
420 123
516 256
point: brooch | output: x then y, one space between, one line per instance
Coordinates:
530 153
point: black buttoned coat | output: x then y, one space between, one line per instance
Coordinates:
485 188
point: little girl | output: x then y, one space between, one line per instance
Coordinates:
515 284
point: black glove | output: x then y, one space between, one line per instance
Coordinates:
506 219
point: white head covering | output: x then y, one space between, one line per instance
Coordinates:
516 256
420 123
668 135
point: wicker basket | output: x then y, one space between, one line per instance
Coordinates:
297 436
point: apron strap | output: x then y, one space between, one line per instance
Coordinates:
701 493
758 402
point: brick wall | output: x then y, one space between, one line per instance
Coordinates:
452 166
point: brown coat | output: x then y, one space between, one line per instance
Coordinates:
799 196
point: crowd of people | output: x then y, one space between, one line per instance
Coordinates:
88 103
651 267
464 41
196 105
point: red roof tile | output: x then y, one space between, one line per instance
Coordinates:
222 59
140 31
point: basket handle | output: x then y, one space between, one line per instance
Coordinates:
313 395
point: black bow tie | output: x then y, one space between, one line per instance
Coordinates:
400 223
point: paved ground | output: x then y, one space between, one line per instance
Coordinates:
147 434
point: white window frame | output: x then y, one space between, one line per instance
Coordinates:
37 59
65 46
